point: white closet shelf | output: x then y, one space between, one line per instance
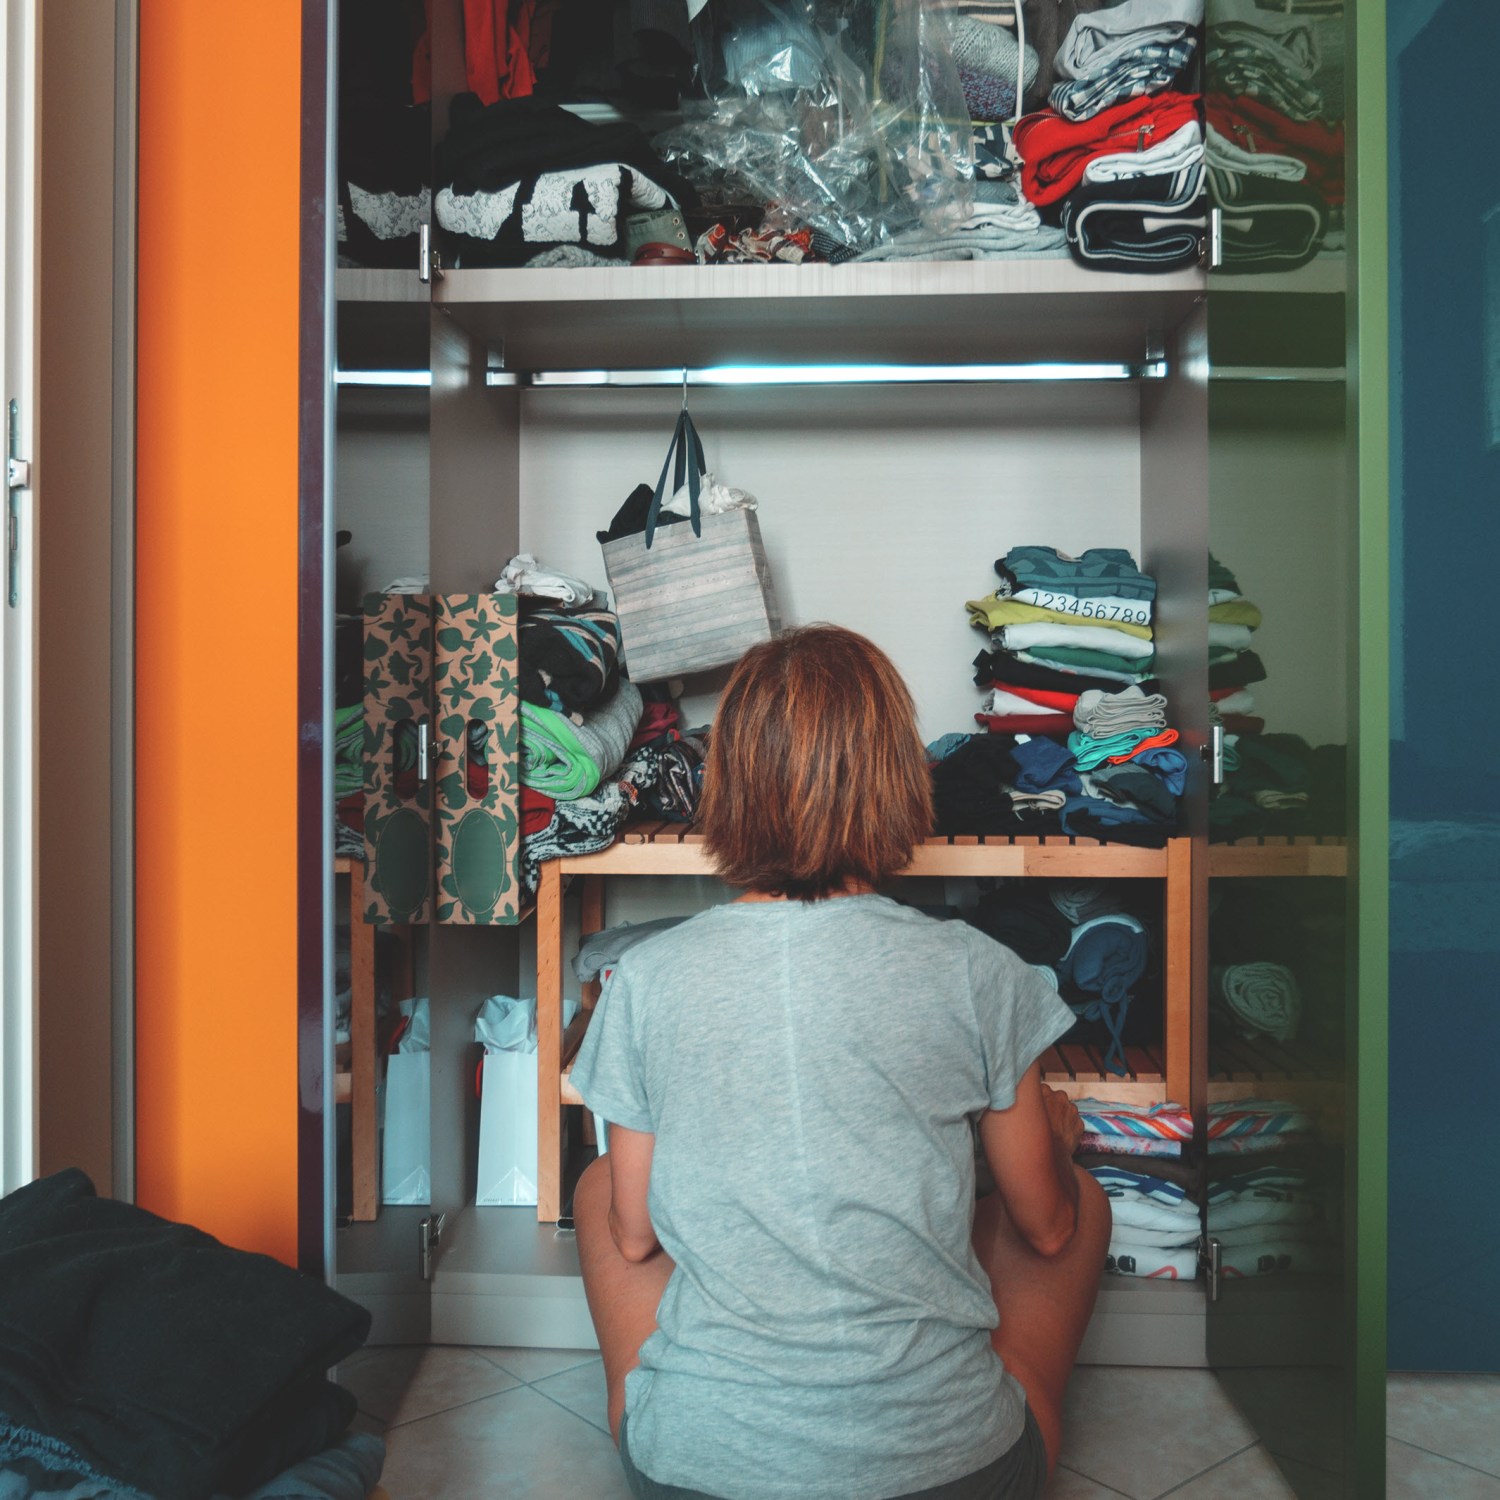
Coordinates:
1322 276
935 312
365 284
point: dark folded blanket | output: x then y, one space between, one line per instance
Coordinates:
156 1355
569 659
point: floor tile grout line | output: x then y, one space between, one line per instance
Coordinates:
520 1385
1182 1484
1433 1453
558 1404
1099 1482
587 1357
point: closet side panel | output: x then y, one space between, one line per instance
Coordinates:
216 622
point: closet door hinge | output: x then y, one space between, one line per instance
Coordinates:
17 478
1215 245
424 751
429 262
430 1231
1211 1257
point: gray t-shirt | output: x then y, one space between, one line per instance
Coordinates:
809 1071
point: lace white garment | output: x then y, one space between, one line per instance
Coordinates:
549 217
479 215
390 216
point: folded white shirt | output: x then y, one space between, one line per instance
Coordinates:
1080 637
1098 40
1182 149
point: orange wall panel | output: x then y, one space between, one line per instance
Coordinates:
216 618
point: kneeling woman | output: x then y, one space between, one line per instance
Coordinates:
795 1296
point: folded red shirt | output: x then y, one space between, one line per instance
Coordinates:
1252 125
536 811
1054 151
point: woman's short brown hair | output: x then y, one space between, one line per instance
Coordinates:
816 775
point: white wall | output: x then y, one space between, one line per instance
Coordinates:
882 509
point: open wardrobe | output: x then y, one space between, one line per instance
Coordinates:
1027 340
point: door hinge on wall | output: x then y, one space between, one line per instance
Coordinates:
430 1231
17 477
1215 238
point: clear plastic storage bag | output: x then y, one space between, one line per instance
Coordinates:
847 115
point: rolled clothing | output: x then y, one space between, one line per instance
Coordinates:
1148 70
1263 998
584 825
1120 670
601 950
1155 1265
1055 151
567 760
1030 926
1138 223
996 610
1181 150
1106 957
1081 901
569 661
525 576
679 785
1049 801
1100 714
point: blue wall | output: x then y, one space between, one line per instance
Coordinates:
1445 771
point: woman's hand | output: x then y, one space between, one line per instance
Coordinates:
1063 1117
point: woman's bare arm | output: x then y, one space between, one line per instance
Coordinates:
629 1160
1030 1151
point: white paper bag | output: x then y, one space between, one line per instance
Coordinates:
406 1145
508 1101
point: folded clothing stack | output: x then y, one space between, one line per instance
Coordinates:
146 1359
519 179
1280 785
1154 1130
1247 1127
1117 157
1276 163
1087 616
1267 1221
1071 654
1080 936
1156 1225
1232 622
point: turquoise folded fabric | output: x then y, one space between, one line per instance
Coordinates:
1089 752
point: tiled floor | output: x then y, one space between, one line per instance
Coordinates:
468 1424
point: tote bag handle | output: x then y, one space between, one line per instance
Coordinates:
684 439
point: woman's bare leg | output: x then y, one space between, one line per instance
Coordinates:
1044 1301
623 1297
